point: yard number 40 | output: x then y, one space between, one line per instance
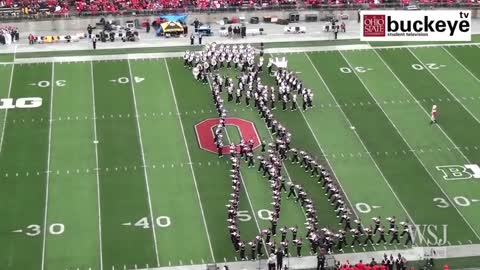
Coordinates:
161 221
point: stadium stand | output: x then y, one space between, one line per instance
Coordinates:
57 8
33 7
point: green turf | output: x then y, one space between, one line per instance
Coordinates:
123 197
343 149
392 155
168 169
178 176
24 166
7 57
464 54
455 77
412 123
72 153
475 38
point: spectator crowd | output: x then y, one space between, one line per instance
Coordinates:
64 7
8 35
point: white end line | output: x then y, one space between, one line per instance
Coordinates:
189 160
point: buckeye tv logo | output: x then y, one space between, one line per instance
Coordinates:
415 25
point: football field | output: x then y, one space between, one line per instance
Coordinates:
101 167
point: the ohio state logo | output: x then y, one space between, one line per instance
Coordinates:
205 134
374 25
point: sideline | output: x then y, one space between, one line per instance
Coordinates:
288 50
310 262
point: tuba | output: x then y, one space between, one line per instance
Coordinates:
195 72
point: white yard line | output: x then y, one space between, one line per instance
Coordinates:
6 110
285 167
461 64
326 159
144 163
361 141
444 86
328 162
441 129
418 102
99 213
45 219
190 161
254 213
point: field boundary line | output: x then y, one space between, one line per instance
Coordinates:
444 86
360 139
190 160
6 110
286 50
410 147
310 262
460 63
99 213
45 219
147 185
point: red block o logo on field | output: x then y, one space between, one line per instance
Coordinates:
205 133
